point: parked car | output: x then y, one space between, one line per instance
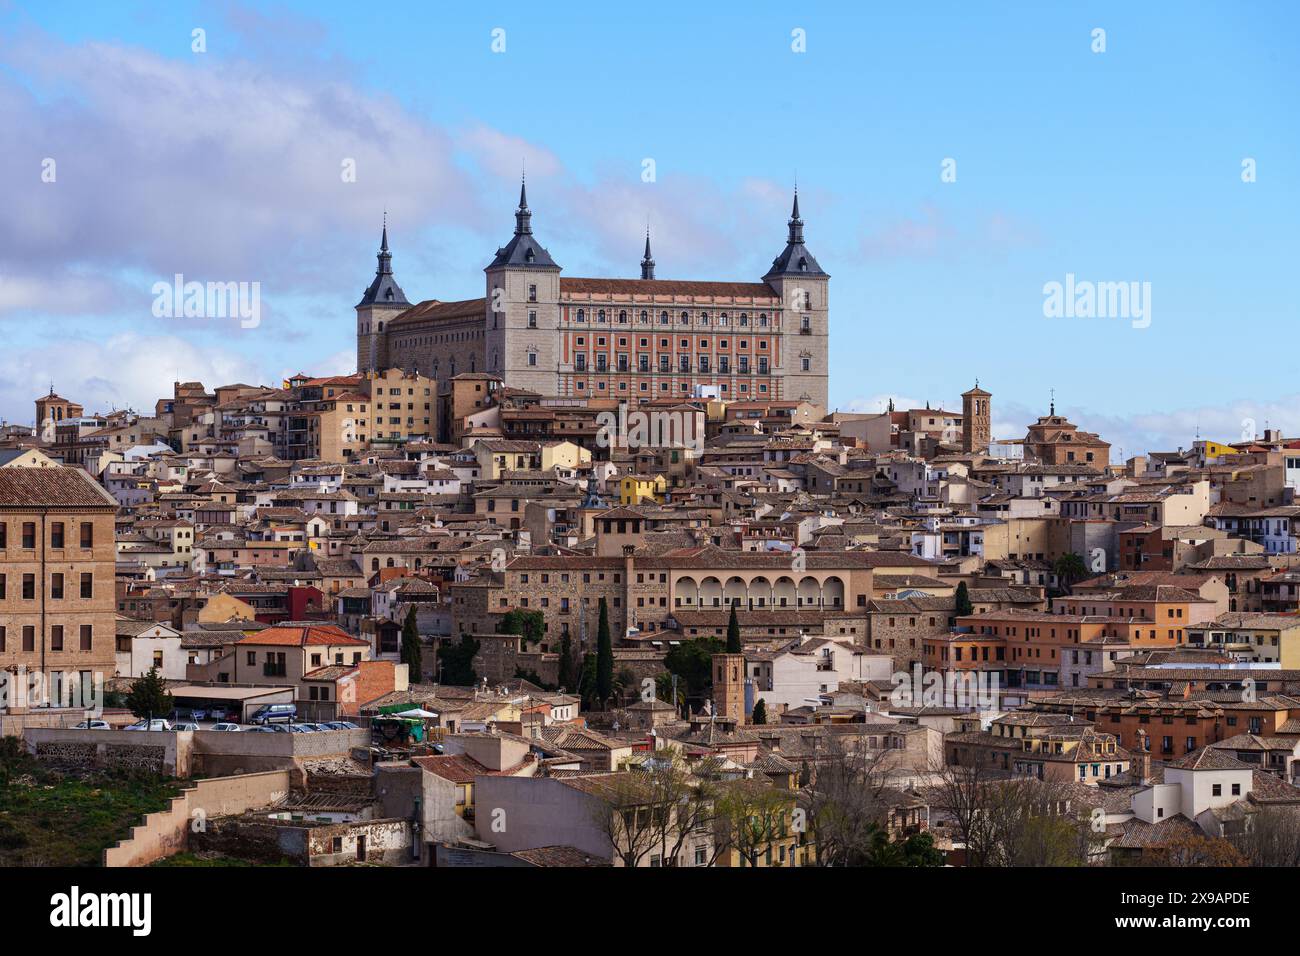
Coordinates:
262 730
185 725
221 714
341 725
156 724
275 714
225 726
92 725
298 729
314 727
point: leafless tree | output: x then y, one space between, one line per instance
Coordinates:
1272 837
846 801
1009 819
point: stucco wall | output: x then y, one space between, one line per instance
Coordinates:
168 831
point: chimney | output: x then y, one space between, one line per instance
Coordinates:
1140 768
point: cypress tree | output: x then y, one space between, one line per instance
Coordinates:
411 654
604 656
733 633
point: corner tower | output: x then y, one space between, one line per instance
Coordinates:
523 309
803 288
382 301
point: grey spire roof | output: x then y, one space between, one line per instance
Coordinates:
647 262
795 259
384 290
523 250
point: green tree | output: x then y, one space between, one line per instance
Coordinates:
604 656
964 607
759 716
1070 569
692 662
148 696
411 652
457 662
567 674
733 633
587 680
528 624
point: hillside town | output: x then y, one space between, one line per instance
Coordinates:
397 619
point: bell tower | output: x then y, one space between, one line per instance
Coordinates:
975 419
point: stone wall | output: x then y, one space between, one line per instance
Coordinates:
385 842
161 752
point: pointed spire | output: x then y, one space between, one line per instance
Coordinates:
796 224
385 267
648 262
523 218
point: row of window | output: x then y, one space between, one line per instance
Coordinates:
85 636
663 386
683 363
684 318
56 586
58 535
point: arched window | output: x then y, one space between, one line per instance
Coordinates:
582 315
685 318
600 316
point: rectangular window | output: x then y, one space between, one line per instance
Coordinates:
87 585
87 534
56 586
56 534
85 637
56 637
29 535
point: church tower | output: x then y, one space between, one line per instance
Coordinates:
975 418
803 288
523 309
382 301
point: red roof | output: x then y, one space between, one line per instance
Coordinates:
302 635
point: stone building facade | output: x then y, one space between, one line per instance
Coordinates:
57 584
632 339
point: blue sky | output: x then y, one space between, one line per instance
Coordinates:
1123 165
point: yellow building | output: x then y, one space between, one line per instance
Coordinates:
633 489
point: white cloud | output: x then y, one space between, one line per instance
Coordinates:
124 371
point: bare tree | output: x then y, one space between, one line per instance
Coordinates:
624 811
1010 819
847 800
750 816
1272 837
